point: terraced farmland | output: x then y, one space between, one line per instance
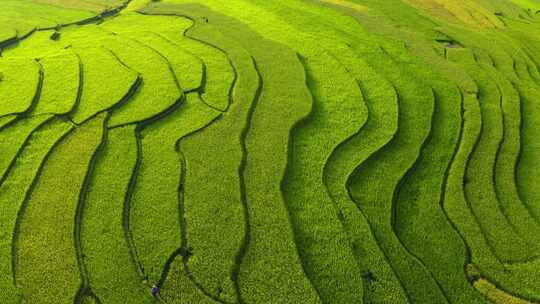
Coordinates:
269 151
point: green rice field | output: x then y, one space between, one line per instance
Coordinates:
269 151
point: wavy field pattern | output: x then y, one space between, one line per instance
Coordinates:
269 151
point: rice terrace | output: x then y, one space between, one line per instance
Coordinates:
269 151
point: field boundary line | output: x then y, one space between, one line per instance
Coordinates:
243 193
399 185
85 288
184 249
21 212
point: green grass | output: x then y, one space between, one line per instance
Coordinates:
37 45
154 216
153 31
527 169
459 209
322 242
18 86
252 269
61 84
288 282
6 120
265 204
212 182
369 141
385 284
324 277
528 4
40 15
479 183
6 34
420 222
381 100
507 158
136 5
18 26
106 82
46 260
252 151
13 139
179 281
431 216
465 12
107 258
219 73
507 58
141 23
158 90
87 5
13 191
383 171
186 66
496 295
